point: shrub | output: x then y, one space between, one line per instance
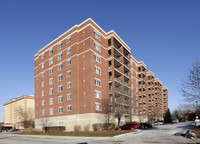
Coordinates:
77 127
55 128
108 126
94 127
86 127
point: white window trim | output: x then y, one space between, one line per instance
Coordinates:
98 80
70 62
98 104
98 92
69 83
70 97
69 106
98 68
59 110
70 73
51 101
59 88
51 110
59 76
59 99
50 81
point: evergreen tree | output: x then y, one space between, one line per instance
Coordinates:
168 117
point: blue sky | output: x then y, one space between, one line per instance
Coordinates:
164 34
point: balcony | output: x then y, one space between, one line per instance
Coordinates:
119 80
127 57
117 51
127 67
144 94
127 75
125 93
127 84
144 101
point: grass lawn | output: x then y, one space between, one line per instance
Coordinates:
82 134
197 132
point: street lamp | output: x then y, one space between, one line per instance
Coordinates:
196 110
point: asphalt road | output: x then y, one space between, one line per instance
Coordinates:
160 134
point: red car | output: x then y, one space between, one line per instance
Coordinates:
129 126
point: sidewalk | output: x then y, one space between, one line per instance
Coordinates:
68 137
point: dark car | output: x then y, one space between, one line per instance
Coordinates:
129 126
145 125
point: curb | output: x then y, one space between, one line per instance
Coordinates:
127 134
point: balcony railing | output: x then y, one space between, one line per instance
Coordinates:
119 69
127 57
119 50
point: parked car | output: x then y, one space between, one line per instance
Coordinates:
145 125
129 126
175 121
197 123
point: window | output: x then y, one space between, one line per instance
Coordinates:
97 82
68 51
42 74
60 99
42 56
69 40
60 88
69 108
51 124
97 58
59 56
132 78
131 71
51 111
51 52
51 91
60 67
69 85
50 81
51 61
43 112
68 62
131 63
43 102
50 101
97 47
97 94
60 110
60 78
42 84
50 71
98 106
68 73
59 46
69 96
131 86
97 70
96 35
42 65
61 123
43 93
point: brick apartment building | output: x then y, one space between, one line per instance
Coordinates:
84 65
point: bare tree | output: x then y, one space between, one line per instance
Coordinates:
26 117
43 122
107 116
190 87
